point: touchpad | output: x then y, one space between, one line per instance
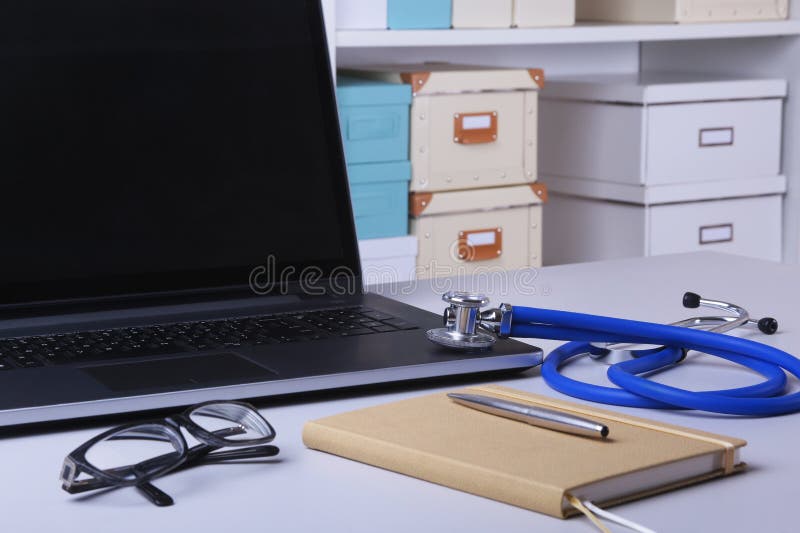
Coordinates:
202 370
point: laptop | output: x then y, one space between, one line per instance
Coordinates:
176 221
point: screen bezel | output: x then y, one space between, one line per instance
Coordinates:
229 280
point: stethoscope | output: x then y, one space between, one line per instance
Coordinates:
467 327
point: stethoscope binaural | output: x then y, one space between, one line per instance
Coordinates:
467 327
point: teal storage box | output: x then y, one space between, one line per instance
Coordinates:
374 118
420 14
379 192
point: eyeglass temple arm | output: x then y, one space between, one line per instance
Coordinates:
155 495
192 453
212 457
202 456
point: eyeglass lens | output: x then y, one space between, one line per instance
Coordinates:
233 422
143 450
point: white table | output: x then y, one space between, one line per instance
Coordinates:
313 491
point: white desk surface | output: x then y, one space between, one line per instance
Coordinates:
312 491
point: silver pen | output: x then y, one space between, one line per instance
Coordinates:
535 416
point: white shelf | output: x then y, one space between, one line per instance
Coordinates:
581 33
665 194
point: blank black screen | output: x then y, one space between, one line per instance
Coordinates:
150 145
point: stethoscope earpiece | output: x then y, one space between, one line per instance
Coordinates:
768 325
691 300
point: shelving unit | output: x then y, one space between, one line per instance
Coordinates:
749 49
581 33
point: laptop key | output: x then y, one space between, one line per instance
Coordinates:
55 358
376 315
30 363
353 332
399 323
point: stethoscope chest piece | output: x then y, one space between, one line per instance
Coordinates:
462 323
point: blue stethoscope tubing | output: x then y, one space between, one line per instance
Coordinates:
762 399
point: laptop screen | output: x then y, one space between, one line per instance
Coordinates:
157 145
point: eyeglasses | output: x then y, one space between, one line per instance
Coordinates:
135 454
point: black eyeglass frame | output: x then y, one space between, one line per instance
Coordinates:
169 428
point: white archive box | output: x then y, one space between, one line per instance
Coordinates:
579 229
479 230
540 13
390 260
665 11
471 126
482 13
361 14
661 128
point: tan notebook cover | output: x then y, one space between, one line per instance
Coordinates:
433 438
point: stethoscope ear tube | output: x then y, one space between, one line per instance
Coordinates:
773 385
756 400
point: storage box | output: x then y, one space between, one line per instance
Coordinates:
482 13
419 14
538 13
486 230
586 229
374 119
361 14
661 128
388 260
379 193
471 127
682 10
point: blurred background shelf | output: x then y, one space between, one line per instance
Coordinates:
581 33
746 49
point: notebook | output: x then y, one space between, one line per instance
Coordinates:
434 439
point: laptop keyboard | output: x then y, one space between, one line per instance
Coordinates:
111 344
